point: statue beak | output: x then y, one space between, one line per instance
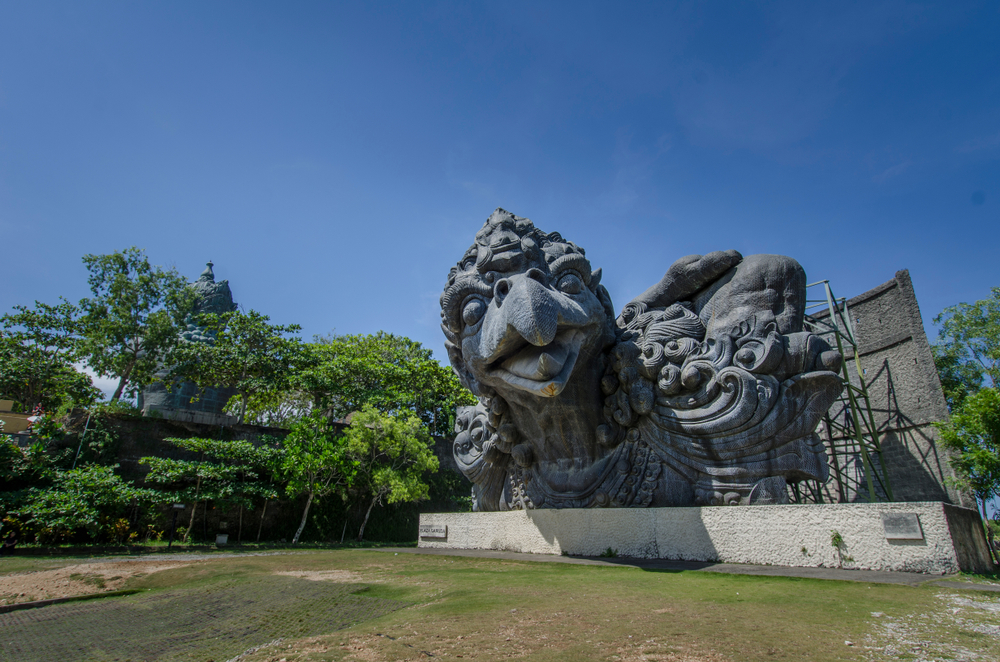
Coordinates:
528 312
533 311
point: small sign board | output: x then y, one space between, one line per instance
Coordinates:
180 506
433 531
902 526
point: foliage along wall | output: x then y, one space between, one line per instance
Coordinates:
122 439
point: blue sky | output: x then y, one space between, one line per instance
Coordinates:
334 160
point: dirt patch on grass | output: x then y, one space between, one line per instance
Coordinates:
80 579
344 576
385 648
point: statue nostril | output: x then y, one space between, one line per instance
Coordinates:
501 289
536 274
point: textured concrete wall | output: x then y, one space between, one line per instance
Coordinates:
790 535
906 397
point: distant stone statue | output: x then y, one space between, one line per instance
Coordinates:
705 390
213 297
184 400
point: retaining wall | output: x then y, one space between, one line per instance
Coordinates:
951 538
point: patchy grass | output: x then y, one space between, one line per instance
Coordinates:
958 625
486 609
215 622
991 578
13 565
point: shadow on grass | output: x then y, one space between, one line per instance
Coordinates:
653 565
208 621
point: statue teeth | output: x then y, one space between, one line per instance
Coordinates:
549 366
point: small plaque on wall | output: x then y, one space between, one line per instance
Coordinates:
433 531
902 526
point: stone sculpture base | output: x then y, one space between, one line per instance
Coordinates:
191 416
948 539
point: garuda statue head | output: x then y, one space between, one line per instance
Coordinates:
522 310
704 390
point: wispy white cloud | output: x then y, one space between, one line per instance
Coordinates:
979 144
892 171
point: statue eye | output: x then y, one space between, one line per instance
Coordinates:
473 311
570 284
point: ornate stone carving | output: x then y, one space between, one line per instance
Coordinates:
704 390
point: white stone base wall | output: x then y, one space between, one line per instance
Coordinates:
789 535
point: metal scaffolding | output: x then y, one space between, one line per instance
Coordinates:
852 438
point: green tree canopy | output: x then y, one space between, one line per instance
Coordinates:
973 434
390 373
38 349
279 409
248 354
390 454
234 472
134 317
315 463
967 353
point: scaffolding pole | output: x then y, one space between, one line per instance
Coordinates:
851 432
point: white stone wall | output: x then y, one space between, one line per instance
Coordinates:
789 535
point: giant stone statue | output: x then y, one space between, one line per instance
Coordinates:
183 399
705 390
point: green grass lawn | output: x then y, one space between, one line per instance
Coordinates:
423 607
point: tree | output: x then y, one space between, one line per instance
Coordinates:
234 472
135 316
315 463
973 434
392 373
967 352
390 454
959 377
38 347
277 409
248 355
256 479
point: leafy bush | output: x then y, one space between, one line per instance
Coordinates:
91 500
21 468
115 408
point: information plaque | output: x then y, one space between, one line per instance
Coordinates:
902 526
433 531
